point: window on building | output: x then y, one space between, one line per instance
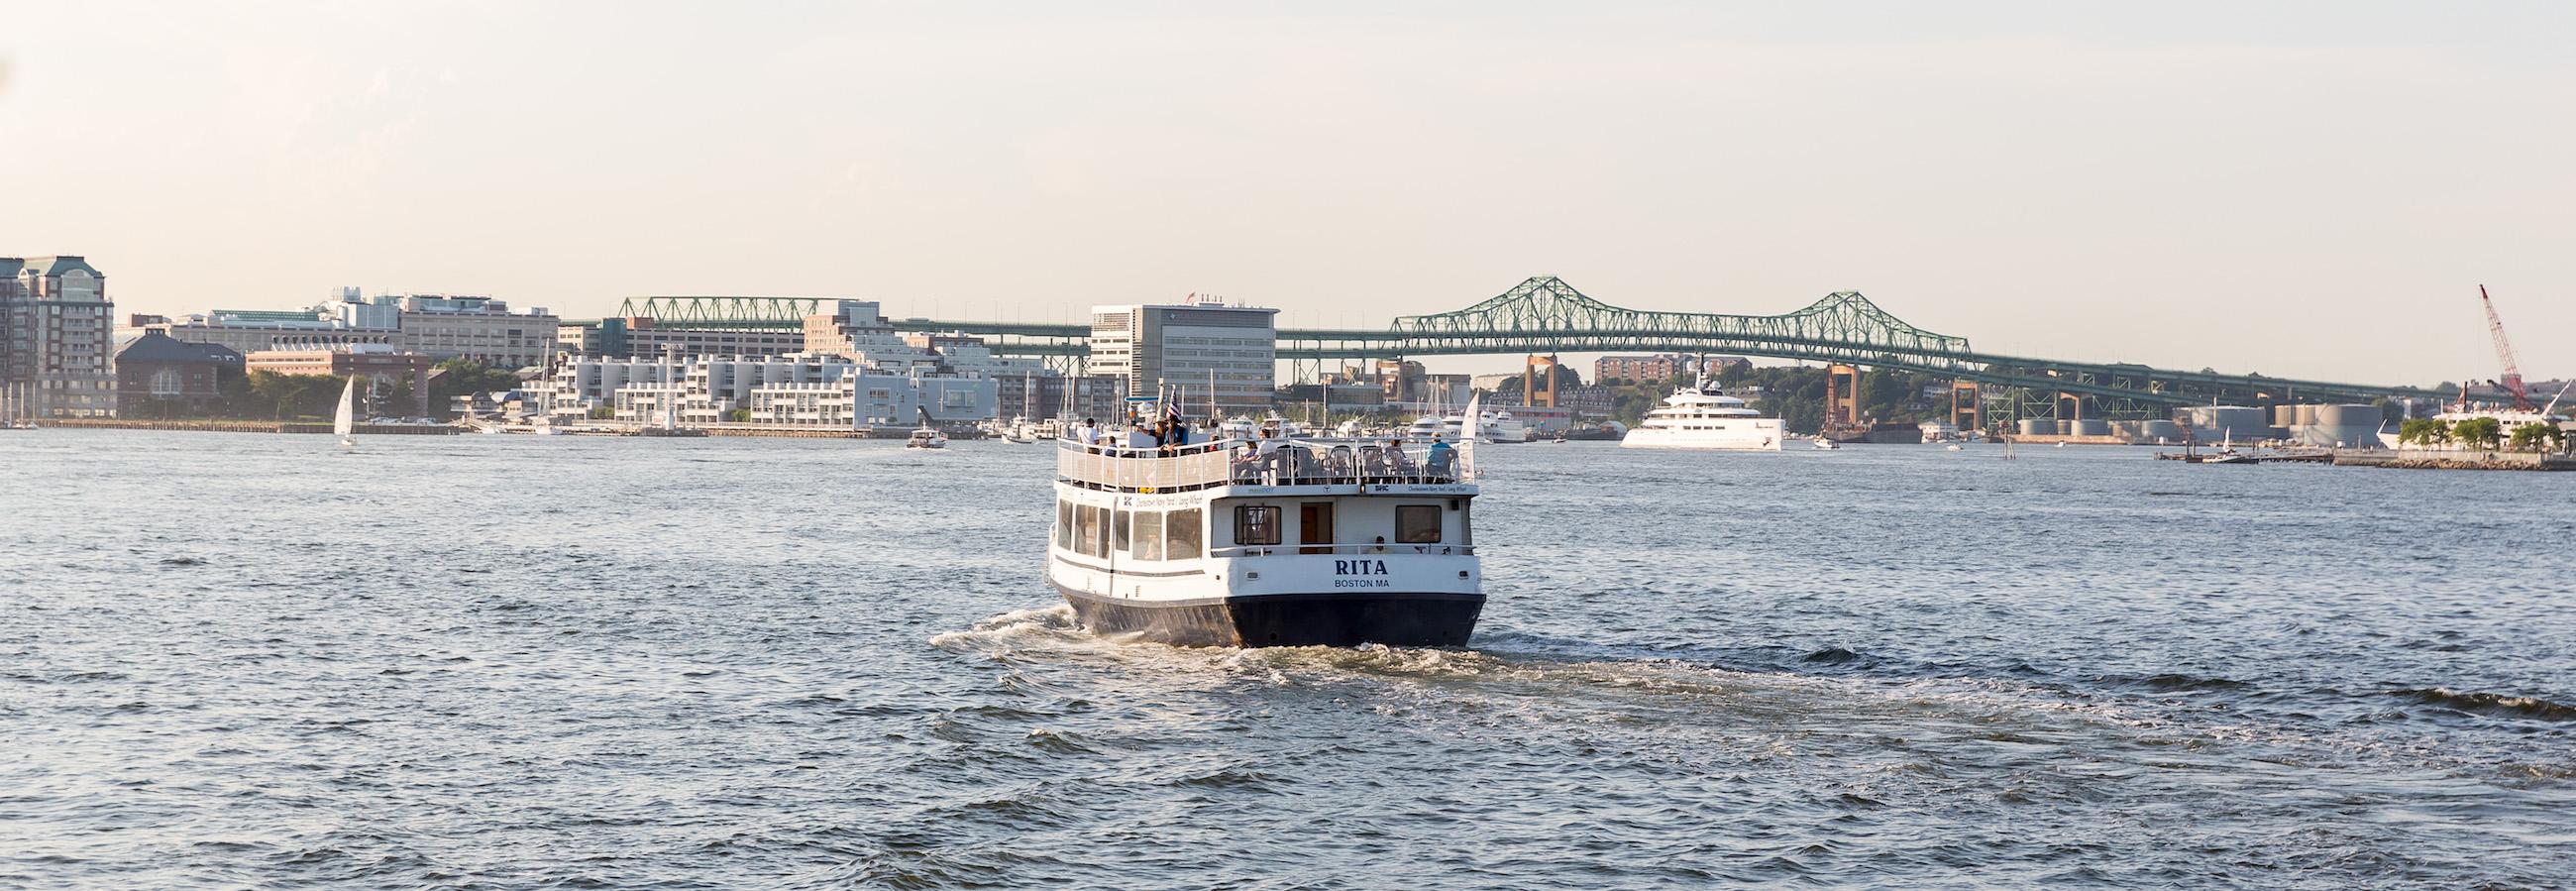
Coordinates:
1417 524
1181 534
1256 525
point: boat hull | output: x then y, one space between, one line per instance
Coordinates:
1421 619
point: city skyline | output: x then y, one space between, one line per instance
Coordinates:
2255 191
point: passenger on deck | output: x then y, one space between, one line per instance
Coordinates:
1397 462
1437 465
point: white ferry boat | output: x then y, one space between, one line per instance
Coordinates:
1275 542
1692 418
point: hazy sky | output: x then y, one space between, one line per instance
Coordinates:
2299 189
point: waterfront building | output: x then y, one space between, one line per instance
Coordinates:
385 369
1186 346
1659 367
1039 395
796 391
438 326
644 337
56 340
473 327
164 373
250 331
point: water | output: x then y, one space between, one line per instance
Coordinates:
519 662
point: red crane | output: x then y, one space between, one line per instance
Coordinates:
2511 383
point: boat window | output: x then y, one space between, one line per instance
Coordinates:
1090 521
1149 535
1124 522
1181 535
1064 524
1417 524
1256 525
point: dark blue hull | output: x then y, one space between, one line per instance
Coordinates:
1287 620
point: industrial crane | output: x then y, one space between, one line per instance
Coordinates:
2511 383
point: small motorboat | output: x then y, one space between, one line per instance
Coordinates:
1824 445
928 435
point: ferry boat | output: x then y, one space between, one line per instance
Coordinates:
1274 542
1693 418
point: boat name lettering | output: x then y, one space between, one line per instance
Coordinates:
1359 567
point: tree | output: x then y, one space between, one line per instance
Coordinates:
738 415
2424 432
294 395
2487 433
460 376
2540 437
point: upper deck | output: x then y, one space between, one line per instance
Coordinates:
1266 462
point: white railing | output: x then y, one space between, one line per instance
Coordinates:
1271 462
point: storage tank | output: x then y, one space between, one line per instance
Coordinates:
2213 422
2092 427
2160 431
2064 427
2284 415
2350 424
2307 414
2038 427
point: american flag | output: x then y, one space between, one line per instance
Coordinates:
1171 404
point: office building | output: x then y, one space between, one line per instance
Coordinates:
1190 347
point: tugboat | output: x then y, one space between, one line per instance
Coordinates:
1269 542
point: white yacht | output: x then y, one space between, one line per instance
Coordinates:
1280 542
1498 426
1428 426
1693 418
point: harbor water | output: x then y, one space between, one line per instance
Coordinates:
565 662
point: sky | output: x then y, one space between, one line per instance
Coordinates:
2308 190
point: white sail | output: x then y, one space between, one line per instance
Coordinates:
1469 431
347 421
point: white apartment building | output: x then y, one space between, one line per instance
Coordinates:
57 350
803 391
1190 347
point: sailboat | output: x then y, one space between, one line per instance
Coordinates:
2227 453
347 421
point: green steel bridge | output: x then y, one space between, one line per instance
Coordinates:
1544 315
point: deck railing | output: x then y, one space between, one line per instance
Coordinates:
1270 462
